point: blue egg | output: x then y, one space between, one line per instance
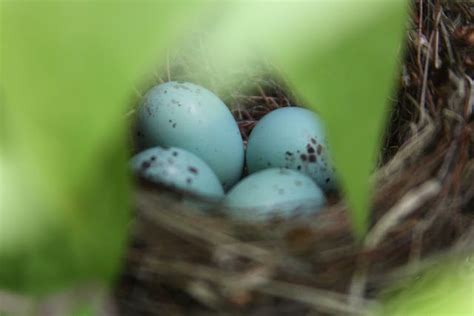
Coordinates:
191 117
179 169
275 192
292 138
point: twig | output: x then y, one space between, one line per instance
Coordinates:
424 85
447 42
437 17
469 104
420 33
267 99
411 201
465 249
409 151
319 299
419 232
182 224
325 301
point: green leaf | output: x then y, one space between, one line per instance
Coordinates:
350 83
68 70
447 289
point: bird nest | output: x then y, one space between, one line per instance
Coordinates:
183 262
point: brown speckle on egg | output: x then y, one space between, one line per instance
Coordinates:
193 169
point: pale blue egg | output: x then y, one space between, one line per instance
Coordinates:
275 192
179 169
191 117
292 138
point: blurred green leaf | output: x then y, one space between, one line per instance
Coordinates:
350 83
84 311
447 289
67 70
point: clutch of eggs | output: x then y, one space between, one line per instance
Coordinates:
287 154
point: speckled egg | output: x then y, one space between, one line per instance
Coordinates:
292 138
179 169
191 117
275 192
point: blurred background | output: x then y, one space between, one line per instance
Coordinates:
392 80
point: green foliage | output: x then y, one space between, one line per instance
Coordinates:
349 83
447 289
67 70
